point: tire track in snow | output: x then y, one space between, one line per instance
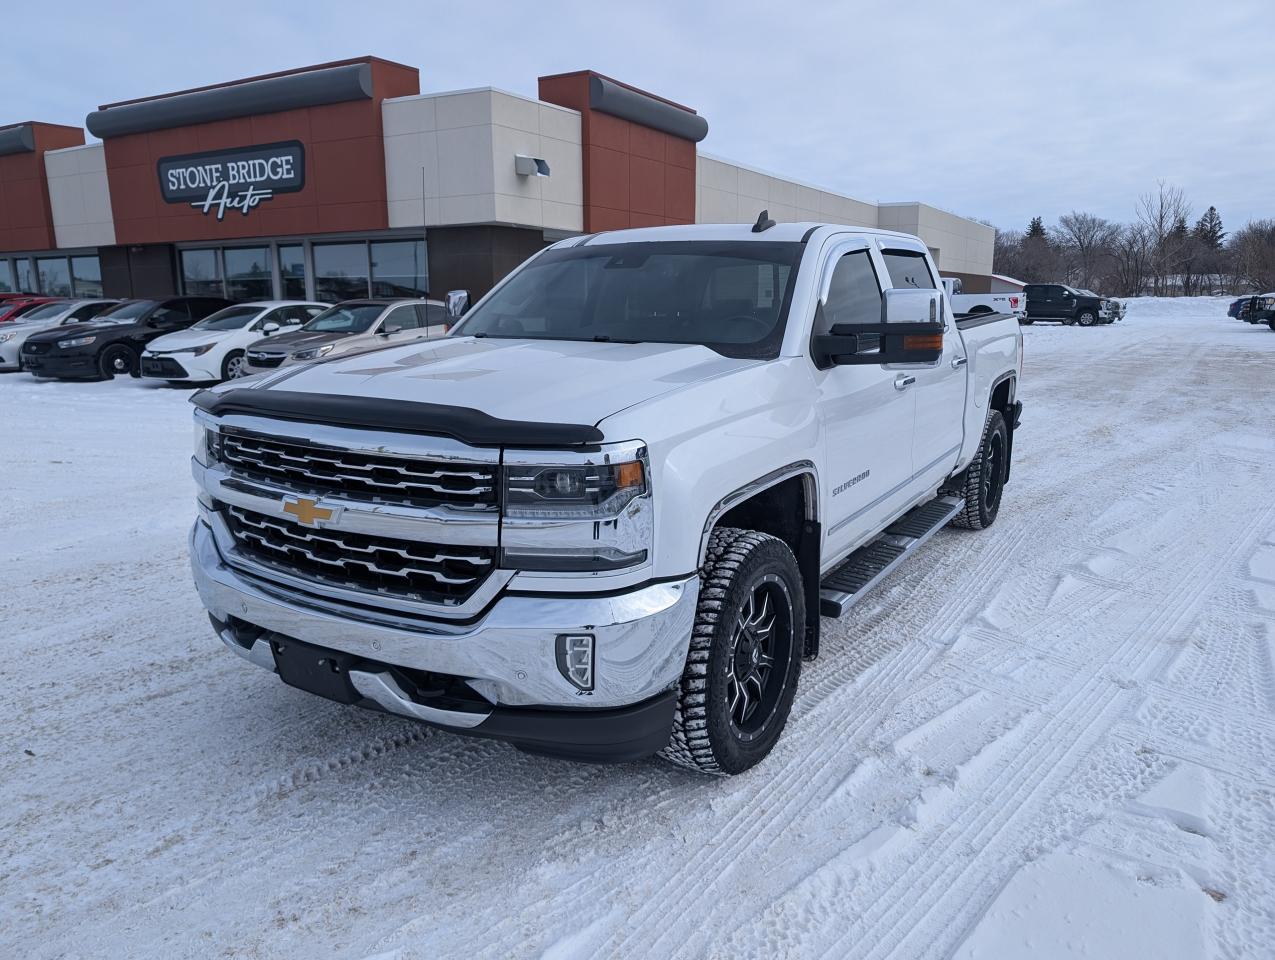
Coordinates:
1005 798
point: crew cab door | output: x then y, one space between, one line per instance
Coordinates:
867 418
939 387
1037 295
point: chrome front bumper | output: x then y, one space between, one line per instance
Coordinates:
508 654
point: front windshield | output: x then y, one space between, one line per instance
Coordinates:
730 296
353 318
43 312
125 312
232 318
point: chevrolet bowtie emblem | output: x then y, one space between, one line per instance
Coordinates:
307 511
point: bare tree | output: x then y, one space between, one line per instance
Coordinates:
1131 259
1160 212
1086 242
1253 247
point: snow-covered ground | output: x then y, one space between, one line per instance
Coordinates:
1053 738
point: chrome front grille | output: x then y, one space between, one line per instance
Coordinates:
405 569
264 359
355 475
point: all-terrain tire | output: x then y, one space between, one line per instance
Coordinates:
117 359
706 735
982 482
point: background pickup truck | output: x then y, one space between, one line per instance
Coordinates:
602 518
1059 303
1011 303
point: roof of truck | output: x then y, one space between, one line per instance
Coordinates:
723 231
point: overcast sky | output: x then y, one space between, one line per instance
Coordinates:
993 110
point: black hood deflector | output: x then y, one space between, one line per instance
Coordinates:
465 424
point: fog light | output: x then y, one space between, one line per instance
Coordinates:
575 659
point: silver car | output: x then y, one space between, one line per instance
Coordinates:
15 333
353 326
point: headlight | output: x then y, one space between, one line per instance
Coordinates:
194 351
6 337
584 513
314 353
76 342
203 438
573 492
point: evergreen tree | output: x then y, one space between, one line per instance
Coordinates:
1208 229
1036 228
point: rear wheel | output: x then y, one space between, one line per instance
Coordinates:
983 481
1026 321
745 654
117 360
234 366
1270 323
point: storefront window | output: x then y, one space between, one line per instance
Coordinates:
399 268
248 273
86 276
6 276
55 276
22 274
340 271
292 272
201 273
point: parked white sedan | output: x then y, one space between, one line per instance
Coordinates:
14 334
213 349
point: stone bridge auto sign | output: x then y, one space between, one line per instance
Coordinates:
236 179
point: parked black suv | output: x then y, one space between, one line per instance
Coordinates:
1059 303
112 341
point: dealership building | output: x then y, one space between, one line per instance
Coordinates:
343 180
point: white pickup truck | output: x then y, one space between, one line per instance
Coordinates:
602 517
1011 303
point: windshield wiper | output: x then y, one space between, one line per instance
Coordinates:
603 338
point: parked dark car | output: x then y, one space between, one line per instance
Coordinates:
111 343
1258 309
1059 303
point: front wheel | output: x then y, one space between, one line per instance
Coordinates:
745 654
1087 319
983 481
117 360
234 366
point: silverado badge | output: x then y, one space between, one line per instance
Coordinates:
307 511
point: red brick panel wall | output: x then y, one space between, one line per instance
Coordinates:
634 176
26 219
344 170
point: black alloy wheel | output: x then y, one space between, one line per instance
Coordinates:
761 646
117 360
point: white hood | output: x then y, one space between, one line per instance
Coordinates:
185 339
550 381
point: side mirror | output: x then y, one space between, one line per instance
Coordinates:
457 303
910 331
269 327
391 328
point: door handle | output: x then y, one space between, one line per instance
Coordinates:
903 381
959 362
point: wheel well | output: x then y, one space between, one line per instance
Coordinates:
1003 400
1003 395
787 511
